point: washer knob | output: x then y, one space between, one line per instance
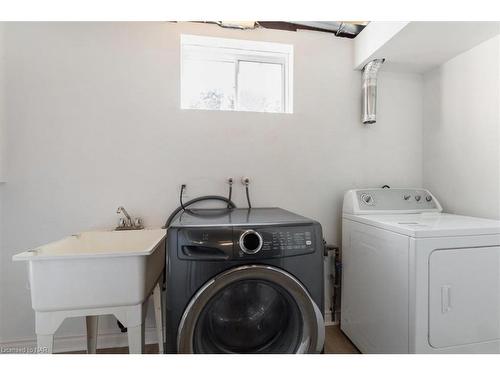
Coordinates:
417 198
428 198
406 197
250 242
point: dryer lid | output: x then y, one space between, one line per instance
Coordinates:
424 225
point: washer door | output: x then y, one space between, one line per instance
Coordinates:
252 309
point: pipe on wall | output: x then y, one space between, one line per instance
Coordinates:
369 91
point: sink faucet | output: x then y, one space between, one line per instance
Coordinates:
128 224
122 209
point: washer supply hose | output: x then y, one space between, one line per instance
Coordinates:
248 197
230 193
229 202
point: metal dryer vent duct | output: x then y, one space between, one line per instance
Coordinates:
370 91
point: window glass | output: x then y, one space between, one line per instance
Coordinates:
236 75
208 85
260 87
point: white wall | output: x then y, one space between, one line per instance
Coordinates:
2 150
2 102
461 131
93 122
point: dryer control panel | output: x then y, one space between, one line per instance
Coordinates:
380 201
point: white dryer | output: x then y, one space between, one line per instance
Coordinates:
416 280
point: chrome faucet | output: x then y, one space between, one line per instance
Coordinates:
128 223
122 209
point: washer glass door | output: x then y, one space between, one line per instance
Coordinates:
252 309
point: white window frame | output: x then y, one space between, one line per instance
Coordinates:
236 51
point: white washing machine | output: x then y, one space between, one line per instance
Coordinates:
416 280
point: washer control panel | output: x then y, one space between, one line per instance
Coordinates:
290 240
391 200
275 241
259 242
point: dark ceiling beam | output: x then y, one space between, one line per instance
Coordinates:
290 26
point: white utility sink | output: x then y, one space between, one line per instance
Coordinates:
94 273
92 269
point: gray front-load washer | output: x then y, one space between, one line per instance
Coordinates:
244 281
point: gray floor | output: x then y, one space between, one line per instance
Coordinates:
335 343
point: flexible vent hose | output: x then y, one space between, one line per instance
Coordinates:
370 91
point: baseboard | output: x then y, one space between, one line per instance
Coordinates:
75 343
328 319
327 324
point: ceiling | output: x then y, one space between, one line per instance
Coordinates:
421 46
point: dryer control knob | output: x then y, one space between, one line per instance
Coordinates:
250 242
428 198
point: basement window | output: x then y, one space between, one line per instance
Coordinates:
236 75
